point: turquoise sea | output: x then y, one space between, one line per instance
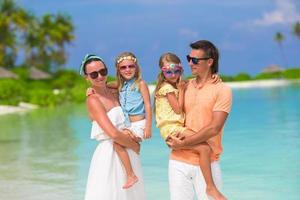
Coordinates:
45 154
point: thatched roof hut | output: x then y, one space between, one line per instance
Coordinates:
272 69
37 74
4 73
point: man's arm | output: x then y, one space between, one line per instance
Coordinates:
218 121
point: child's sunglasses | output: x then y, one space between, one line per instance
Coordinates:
169 73
195 61
124 67
95 74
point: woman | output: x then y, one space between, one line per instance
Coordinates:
106 175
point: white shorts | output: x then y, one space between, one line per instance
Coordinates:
137 128
186 180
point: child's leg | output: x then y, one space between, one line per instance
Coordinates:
204 151
124 157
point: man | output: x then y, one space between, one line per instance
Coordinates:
207 105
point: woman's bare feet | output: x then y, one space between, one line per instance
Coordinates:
214 194
131 180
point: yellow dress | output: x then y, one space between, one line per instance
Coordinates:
166 119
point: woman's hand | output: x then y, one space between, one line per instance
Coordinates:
132 136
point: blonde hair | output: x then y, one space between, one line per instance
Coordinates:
137 75
166 57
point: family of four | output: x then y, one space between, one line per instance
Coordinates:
189 114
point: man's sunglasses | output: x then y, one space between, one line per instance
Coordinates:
169 73
95 74
124 67
195 61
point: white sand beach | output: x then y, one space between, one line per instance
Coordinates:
21 108
251 84
261 83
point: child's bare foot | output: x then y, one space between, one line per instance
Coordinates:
131 180
214 194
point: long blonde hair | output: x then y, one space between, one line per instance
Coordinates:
137 75
166 57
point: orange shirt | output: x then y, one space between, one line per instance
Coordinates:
199 105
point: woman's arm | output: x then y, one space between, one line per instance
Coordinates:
98 113
146 97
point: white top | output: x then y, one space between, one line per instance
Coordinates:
117 119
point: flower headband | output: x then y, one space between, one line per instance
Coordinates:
172 66
86 58
126 58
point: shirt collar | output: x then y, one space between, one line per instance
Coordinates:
130 82
215 80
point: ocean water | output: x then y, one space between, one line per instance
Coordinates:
45 154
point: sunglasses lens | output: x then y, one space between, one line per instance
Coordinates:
94 75
194 61
178 71
124 67
103 72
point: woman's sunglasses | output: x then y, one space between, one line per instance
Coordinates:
195 61
124 67
95 74
169 73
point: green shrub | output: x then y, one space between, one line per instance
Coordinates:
66 79
39 84
275 75
44 97
22 72
12 91
293 73
77 93
226 78
242 77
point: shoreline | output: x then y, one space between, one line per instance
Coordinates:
251 84
261 83
24 107
21 108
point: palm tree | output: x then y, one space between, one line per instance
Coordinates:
46 40
13 20
296 29
279 38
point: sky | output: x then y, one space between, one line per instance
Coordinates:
242 30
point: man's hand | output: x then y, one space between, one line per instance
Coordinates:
175 142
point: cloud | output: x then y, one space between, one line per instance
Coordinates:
285 13
188 33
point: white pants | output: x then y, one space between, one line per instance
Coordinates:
186 180
137 128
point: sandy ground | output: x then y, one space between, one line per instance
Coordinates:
251 84
23 107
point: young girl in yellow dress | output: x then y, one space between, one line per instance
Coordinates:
169 99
